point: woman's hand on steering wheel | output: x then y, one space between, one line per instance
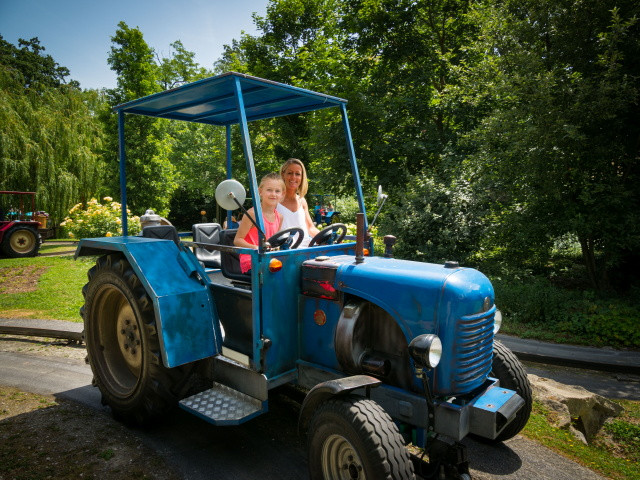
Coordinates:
326 235
284 236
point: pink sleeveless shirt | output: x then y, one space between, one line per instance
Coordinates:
270 229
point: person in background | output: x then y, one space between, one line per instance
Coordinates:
293 207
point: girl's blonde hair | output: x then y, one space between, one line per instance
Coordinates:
304 184
272 176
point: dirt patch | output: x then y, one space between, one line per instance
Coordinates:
44 437
20 279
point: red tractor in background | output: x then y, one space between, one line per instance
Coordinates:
21 231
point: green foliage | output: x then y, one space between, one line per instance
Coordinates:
49 144
556 150
628 434
347 206
150 174
434 220
30 67
533 307
98 220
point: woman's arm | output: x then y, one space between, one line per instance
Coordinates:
313 231
243 230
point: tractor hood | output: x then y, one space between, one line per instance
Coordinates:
455 303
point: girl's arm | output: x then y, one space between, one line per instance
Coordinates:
243 230
313 231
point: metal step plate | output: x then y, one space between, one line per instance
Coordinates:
222 405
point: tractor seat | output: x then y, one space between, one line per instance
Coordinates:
230 261
162 232
207 233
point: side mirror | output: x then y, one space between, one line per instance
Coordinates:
230 194
381 196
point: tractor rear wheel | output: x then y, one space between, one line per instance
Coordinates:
21 241
354 438
123 345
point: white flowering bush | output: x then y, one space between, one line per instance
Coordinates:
98 220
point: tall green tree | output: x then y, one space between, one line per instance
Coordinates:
557 152
49 144
150 174
35 69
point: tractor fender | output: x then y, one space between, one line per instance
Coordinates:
329 389
187 320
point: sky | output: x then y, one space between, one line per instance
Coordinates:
77 33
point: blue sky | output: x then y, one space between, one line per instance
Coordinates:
77 33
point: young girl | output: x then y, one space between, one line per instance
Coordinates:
271 191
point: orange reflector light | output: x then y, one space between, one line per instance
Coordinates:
275 265
366 252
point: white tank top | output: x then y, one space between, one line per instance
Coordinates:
295 219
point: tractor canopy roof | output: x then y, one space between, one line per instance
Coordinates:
213 100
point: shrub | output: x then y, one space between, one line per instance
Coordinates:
534 307
98 220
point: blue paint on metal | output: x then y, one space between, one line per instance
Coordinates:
229 165
123 174
186 318
428 298
466 330
317 342
280 295
248 155
212 100
352 160
493 399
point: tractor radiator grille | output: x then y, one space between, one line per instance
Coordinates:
473 350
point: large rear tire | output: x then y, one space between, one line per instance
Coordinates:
507 368
354 438
123 346
21 241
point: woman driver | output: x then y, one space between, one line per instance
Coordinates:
293 207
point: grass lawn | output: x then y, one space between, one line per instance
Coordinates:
43 287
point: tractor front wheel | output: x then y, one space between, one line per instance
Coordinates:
354 438
509 371
123 346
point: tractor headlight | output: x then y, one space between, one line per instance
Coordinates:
426 350
497 321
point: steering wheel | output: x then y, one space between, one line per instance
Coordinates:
284 236
325 236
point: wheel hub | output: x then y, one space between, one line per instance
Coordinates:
129 338
340 460
22 242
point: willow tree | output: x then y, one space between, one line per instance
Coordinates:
48 143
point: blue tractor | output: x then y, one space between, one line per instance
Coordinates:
387 352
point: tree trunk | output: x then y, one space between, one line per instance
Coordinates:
589 258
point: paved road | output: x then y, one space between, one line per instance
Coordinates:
266 447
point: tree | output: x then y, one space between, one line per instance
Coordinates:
35 69
558 150
150 174
49 144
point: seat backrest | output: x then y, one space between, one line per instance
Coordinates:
207 233
163 232
230 261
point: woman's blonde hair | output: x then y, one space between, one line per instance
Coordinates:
304 184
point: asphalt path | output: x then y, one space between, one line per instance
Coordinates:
267 447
